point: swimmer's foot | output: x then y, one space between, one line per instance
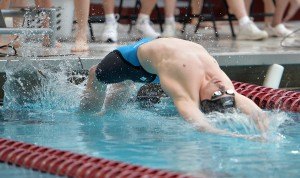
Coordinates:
80 47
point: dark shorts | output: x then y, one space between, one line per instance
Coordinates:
114 68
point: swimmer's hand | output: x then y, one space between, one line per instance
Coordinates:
262 122
256 138
249 108
210 129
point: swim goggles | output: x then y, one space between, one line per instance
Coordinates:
219 93
218 103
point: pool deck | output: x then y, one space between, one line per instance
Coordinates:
227 51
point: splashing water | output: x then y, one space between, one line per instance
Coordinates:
31 84
235 121
242 124
35 85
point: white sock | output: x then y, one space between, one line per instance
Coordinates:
142 17
170 20
110 18
244 20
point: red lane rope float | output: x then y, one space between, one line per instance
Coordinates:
269 98
65 163
240 86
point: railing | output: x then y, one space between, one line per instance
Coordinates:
51 12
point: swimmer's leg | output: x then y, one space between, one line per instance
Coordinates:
94 94
117 95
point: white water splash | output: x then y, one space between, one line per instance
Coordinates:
237 122
33 84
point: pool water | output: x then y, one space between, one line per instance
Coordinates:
48 115
10 171
148 139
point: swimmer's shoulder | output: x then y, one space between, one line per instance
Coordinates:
166 44
163 41
172 41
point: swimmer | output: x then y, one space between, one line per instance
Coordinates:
187 73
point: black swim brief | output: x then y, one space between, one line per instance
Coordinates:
114 68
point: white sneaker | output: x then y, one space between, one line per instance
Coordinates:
250 31
279 31
110 33
169 30
144 27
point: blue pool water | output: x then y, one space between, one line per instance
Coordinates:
151 140
48 115
10 171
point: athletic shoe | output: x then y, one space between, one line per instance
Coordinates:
110 33
278 31
250 31
144 27
169 30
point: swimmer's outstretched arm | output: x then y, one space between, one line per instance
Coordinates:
190 112
248 107
189 109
